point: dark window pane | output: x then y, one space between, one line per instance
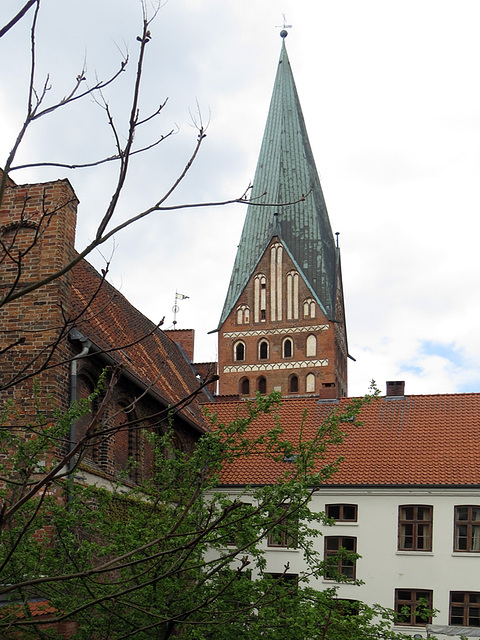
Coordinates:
349 512
333 511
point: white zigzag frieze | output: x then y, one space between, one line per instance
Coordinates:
274 366
271 332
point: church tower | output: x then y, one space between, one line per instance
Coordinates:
283 323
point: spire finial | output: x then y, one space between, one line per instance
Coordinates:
284 27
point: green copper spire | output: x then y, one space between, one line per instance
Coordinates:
285 174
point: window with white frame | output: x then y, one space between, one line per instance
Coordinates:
342 512
263 350
239 351
287 348
338 557
415 524
467 528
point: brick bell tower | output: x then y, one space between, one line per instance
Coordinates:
283 322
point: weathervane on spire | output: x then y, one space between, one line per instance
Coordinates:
284 27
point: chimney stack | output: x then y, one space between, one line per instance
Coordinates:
396 388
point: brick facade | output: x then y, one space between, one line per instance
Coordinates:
317 345
37 232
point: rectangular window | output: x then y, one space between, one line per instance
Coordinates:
284 588
233 522
412 605
337 550
467 529
465 608
284 534
415 528
342 512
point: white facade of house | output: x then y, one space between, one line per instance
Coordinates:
383 568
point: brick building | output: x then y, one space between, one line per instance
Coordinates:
56 340
283 322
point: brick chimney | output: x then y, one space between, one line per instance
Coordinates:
396 388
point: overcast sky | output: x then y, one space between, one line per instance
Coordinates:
390 92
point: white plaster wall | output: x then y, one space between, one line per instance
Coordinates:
382 567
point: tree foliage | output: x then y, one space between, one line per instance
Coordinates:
176 555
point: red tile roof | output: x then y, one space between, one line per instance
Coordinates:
112 324
36 608
409 440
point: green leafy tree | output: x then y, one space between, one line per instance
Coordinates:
174 556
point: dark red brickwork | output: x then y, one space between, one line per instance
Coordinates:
37 229
331 348
185 337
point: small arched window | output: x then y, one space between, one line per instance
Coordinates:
260 298
244 386
263 350
262 385
293 384
292 295
310 383
287 348
311 347
239 351
243 314
309 308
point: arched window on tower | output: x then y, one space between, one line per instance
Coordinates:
293 384
292 295
310 383
244 386
243 314
287 348
262 385
311 346
263 350
239 351
260 298
309 308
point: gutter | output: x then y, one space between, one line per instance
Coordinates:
74 334
86 344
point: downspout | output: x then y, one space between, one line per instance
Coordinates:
75 335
